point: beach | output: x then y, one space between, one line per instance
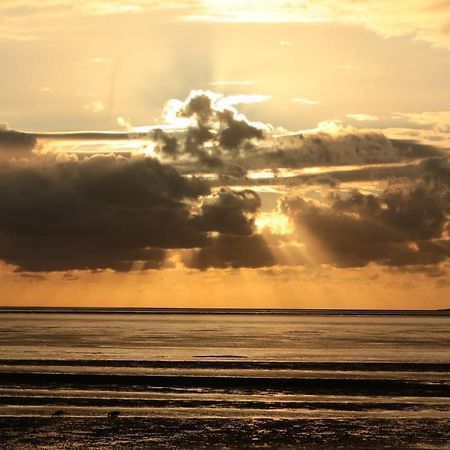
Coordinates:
217 380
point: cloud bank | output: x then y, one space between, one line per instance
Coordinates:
109 212
404 225
62 211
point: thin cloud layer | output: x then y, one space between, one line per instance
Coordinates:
438 121
426 20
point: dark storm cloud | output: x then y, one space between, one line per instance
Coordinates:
333 177
236 131
218 137
110 212
15 143
413 149
230 212
403 226
220 128
437 170
233 251
61 212
194 141
411 170
199 106
96 213
168 145
321 149
232 172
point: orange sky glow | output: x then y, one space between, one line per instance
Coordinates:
241 154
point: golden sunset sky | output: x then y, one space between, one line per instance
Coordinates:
225 153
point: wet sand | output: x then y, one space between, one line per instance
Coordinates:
141 433
224 381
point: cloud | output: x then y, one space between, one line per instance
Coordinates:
124 123
108 212
206 131
438 121
425 20
230 212
87 135
12 139
58 8
95 106
14 143
404 225
23 21
107 8
236 131
431 138
232 251
359 117
60 211
242 99
304 101
204 104
215 129
102 212
217 134
347 146
168 145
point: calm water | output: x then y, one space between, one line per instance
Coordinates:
249 337
228 367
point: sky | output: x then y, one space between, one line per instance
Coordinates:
224 153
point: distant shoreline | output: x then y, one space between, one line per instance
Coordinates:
224 311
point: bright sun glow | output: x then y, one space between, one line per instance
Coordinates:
275 222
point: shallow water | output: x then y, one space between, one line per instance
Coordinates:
249 337
228 367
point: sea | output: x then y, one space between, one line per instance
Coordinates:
178 378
